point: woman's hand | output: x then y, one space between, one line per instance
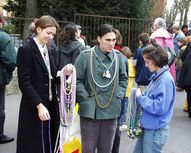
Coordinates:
138 92
43 112
69 69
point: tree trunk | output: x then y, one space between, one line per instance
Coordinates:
31 12
181 17
174 14
187 7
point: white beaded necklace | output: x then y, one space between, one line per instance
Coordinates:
67 106
107 68
91 64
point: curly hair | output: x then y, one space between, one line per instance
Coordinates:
160 23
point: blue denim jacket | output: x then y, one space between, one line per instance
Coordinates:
158 103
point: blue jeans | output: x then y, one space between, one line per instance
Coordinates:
124 105
152 141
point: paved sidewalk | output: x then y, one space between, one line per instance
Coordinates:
178 142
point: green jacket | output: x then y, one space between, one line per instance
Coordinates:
88 105
7 58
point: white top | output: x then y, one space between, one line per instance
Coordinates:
40 47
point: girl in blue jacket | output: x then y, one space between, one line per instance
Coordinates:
157 102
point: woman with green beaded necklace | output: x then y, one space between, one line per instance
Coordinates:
156 101
101 85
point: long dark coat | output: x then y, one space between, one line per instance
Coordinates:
184 80
33 83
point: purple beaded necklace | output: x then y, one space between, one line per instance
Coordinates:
67 104
49 137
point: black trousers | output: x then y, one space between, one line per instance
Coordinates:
2 110
188 91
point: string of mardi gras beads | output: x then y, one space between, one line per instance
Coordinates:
134 113
103 86
67 106
92 74
49 137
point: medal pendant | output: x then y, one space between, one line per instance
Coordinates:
106 74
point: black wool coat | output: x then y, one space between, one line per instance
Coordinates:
184 80
34 85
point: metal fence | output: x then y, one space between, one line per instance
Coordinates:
130 28
18 29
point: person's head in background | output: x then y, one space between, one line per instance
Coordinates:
106 38
32 25
31 29
159 23
175 29
118 37
143 39
45 29
79 37
184 29
126 51
69 33
188 39
155 57
78 32
181 42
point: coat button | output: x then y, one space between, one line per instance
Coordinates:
45 73
46 84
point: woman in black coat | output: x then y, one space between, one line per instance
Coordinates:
39 111
185 74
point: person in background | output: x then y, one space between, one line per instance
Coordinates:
182 45
177 34
184 80
163 38
39 111
79 37
185 30
124 103
70 47
101 85
118 41
142 72
2 21
31 29
7 66
131 74
157 102
188 40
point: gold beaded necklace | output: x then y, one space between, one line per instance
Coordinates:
94 84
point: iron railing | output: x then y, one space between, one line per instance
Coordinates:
130 28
